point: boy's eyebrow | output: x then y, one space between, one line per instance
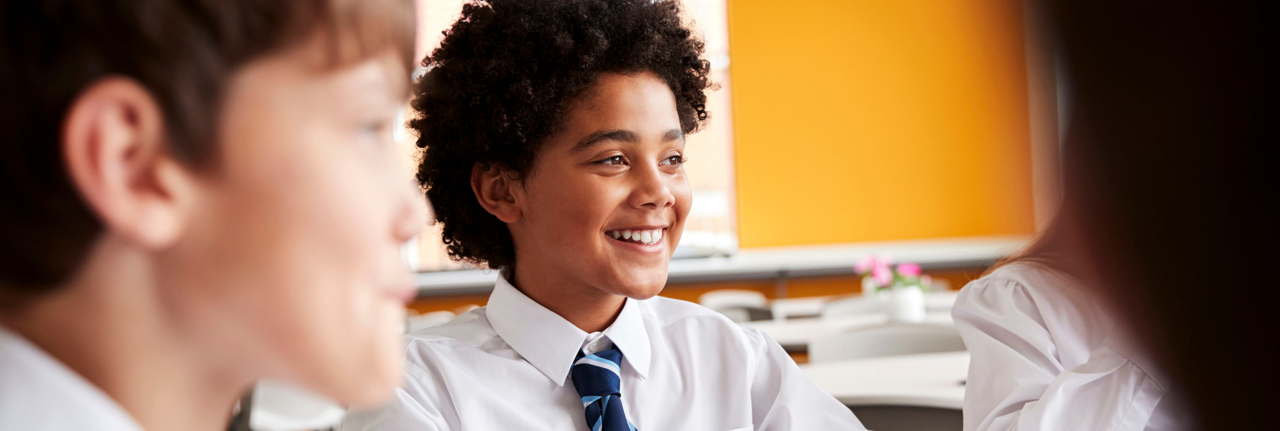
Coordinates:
605 135
621 135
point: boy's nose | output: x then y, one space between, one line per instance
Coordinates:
652 190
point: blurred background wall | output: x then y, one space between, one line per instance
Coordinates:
879 120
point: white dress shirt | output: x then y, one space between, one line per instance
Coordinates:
1047 356
506 367
39 393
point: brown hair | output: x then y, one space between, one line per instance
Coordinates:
1042 250
1173 131
183 52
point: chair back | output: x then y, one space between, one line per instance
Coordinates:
414 323
853 306
886 340
738 305
940 301
732 298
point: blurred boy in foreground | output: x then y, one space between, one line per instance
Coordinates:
197 195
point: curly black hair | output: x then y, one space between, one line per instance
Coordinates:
503 78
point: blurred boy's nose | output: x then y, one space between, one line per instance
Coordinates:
413 213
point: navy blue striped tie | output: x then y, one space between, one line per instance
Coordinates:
597 378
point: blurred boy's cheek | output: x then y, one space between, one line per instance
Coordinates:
310 215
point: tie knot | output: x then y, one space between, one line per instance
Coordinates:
598 378
597 374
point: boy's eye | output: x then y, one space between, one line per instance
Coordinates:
676 160
375 134
372 130
612 161
374 127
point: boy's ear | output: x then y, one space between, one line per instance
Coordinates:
113 145
493 187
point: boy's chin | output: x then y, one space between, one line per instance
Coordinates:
642 293
640 286
634 280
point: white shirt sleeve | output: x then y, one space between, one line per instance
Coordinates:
783 398
1017 380
414 408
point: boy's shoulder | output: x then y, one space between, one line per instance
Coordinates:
471 328
683 320
1042 283
669 312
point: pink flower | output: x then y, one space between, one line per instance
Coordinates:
865 265
882 276
909 270
870 263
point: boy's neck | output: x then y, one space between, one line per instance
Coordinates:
110 326
583 305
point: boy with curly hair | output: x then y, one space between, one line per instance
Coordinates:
554 139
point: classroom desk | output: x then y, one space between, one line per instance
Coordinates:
933 380
777 263
795 334
811 306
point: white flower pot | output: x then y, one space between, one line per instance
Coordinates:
906 304
869 286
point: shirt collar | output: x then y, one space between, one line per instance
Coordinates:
628 334
549 342
49 386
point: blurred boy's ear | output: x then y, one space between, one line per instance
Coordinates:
113 144
493 188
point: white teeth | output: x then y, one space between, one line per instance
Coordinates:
640 236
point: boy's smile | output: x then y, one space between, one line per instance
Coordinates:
647 236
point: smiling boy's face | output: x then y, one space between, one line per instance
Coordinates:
606 200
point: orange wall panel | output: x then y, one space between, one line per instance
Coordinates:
875 120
